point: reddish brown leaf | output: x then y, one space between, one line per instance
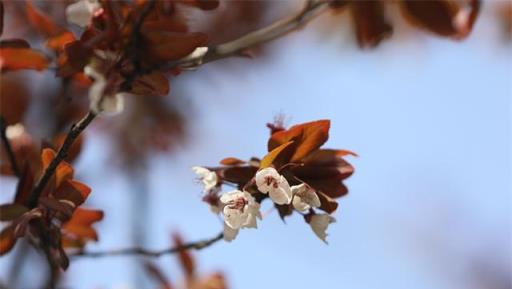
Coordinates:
157 275
238 175
232 162
73 191
9 212
269 159
435 15
14 43
46 157
371 26
166 46
327 204
7 240
307 136
155 83
58 42
80 224
22 58
186 260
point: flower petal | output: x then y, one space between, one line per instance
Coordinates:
229 233
319 224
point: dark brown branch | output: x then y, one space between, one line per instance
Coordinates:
75 131
8 147
198 245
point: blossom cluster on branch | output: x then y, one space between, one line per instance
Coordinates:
297 175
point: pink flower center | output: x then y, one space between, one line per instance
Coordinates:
269 180
238 204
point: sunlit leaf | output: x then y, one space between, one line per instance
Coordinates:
80 224
232 161
269 159
22 58
7 240
307 136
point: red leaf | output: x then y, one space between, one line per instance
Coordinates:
14 43
155 83
80 224
435 15
73 191
166 46
58 42
22 58
232 162
307 136
371 26
269 159
7 240
186 260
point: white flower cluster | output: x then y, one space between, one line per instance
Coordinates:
241 210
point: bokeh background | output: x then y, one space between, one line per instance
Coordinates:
429 205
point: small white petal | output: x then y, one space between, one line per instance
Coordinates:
80 12
229 233
269 181
299 204
100 103
262 179
319 224
208 178
234 217
304 198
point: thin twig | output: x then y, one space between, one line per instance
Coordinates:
75 131
311 9
8 147
198 245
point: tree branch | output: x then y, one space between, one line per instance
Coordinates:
75 131
8 147
312 9
198 245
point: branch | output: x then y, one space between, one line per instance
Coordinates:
312 9
75 131
198 245
8 147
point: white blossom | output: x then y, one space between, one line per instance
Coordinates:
240 211
99 102
269 181
207 177
81 12
304 198
319 224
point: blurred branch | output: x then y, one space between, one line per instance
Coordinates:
75 131
8 147
312 9
198 245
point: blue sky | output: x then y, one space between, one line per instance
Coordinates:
431 196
